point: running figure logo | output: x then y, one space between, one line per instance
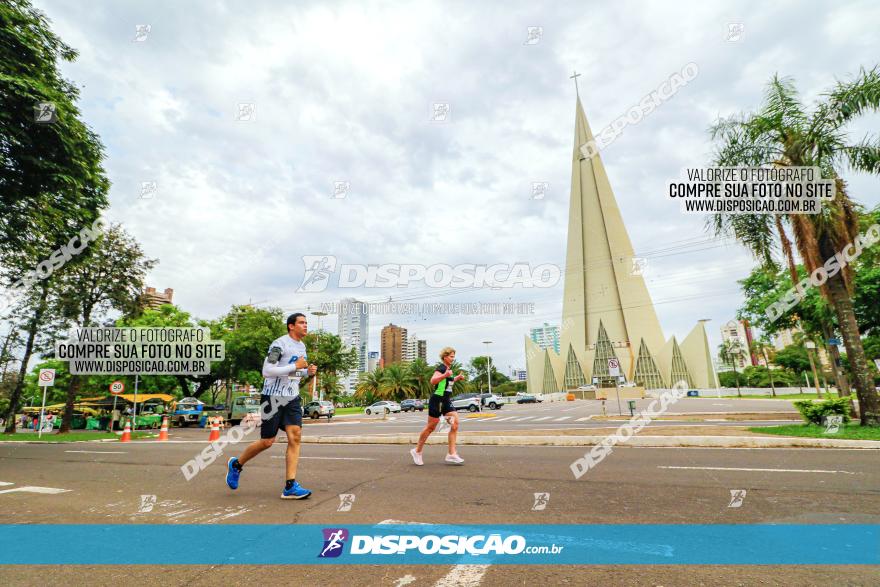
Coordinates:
318 268
334 541
541 501
736 498
346 500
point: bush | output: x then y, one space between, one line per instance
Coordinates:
815 412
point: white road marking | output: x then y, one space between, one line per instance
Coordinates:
542 419
100 452
463 576
31 489
584 419
760 470
460 575
562 418
522 419
3 483
505 419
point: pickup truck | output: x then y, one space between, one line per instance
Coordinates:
241 407
191 411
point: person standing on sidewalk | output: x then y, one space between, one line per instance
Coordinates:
440 405
285 369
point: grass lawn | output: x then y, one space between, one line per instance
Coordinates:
852 431
340 411
69 437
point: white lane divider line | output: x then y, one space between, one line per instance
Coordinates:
755 470
584 419
31 489
100 452
522 419
562 418
542 419
504 419
463 576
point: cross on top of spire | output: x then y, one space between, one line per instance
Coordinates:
574 77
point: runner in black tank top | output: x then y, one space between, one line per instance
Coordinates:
440 405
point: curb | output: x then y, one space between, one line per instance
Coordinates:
638 441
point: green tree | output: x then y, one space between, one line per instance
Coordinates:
477 371
398 383
51 178
332 358
421 373
783 133
761 347
793 357
730 351
110 277
369 386
170 316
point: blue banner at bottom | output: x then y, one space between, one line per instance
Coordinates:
403 543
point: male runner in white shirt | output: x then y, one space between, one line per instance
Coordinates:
284 369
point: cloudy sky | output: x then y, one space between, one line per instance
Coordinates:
344 91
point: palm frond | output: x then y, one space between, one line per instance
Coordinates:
853 98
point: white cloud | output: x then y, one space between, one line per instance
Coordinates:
343 92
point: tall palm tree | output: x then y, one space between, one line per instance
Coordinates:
369 385
421 373
397 383
730 351
782 133
760 347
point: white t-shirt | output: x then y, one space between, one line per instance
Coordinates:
279 369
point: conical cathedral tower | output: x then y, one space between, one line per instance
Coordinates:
607 311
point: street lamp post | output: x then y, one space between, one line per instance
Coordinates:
488 370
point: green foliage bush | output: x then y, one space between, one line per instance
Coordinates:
815 412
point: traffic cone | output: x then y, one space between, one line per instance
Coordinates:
126 433
215 431
163 432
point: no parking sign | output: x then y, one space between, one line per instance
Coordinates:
614 367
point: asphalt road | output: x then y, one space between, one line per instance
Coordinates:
105 483
554 416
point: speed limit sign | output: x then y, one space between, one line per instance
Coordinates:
117 387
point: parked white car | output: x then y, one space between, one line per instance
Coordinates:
383 406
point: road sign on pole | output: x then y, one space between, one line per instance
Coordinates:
614 367
46 378
116 388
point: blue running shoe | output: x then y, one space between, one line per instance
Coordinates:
232 474
295 492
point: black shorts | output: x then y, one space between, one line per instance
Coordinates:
439 406
279 412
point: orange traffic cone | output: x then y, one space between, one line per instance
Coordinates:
215 431
126 433
163 432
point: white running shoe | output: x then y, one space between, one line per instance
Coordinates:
454 459
417 457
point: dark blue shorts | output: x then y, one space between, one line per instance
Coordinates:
278 412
